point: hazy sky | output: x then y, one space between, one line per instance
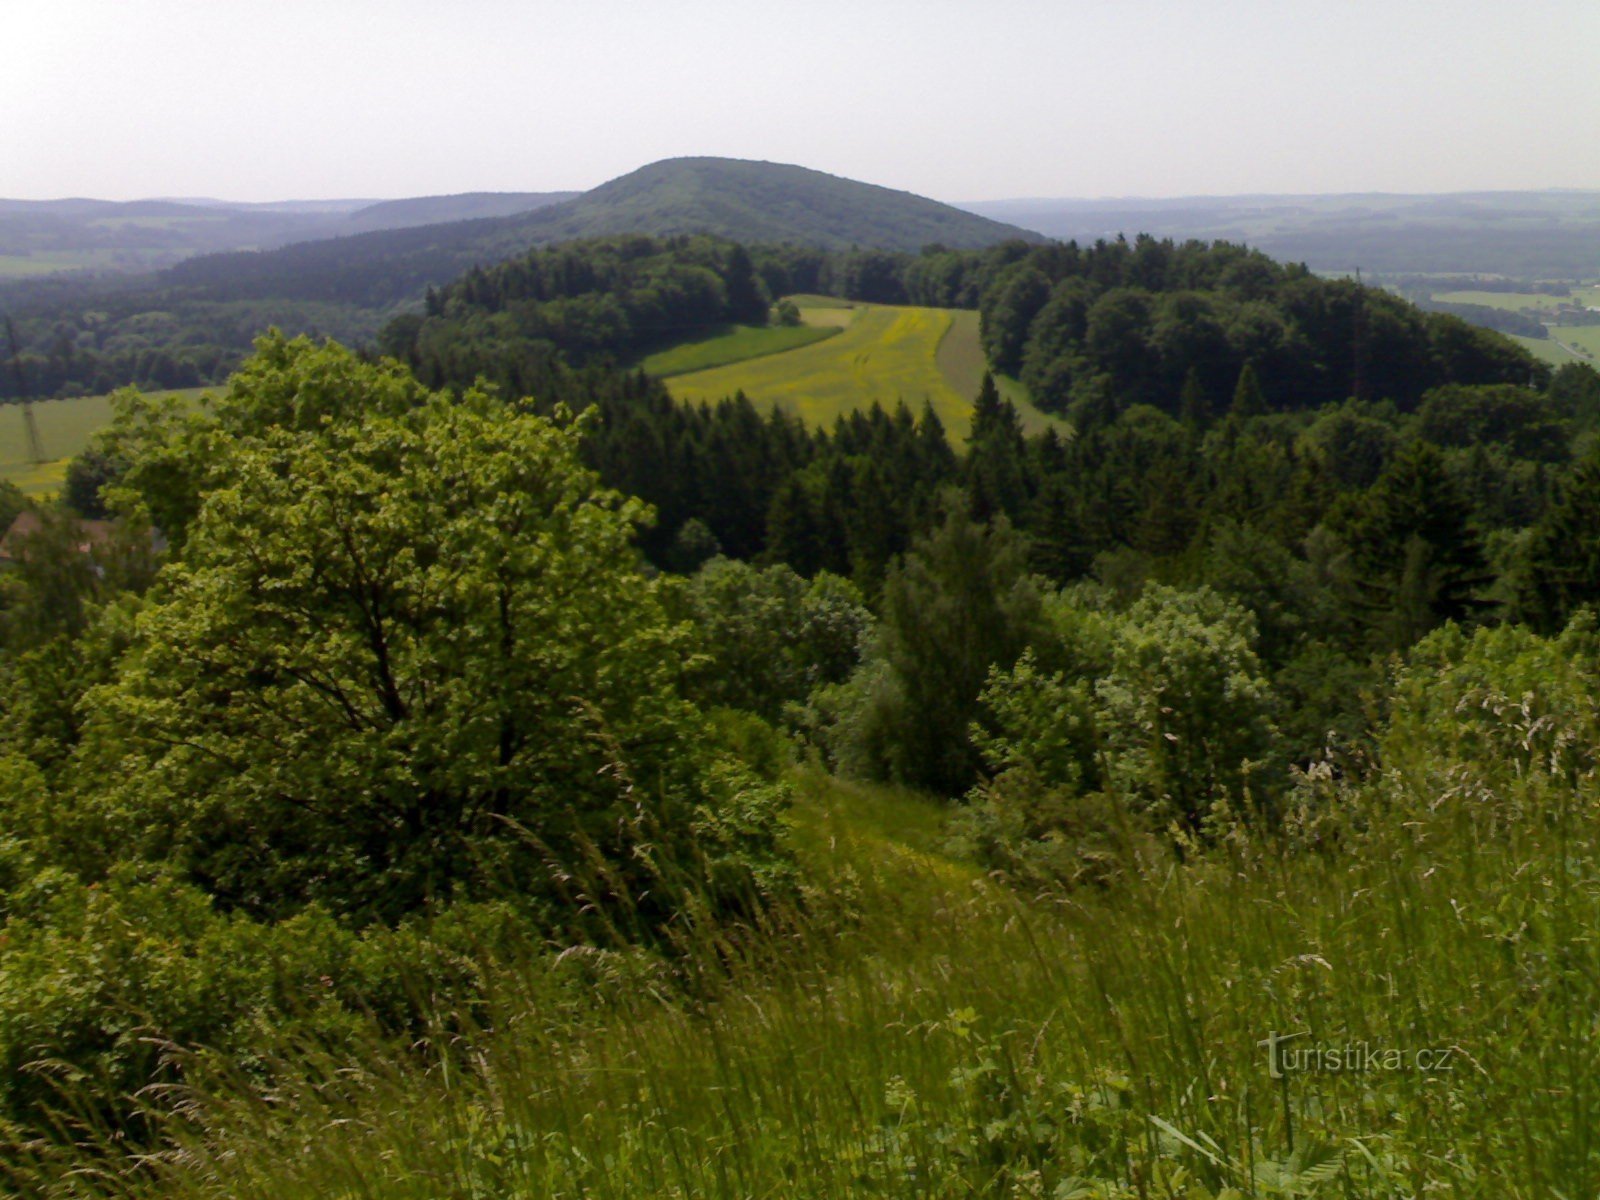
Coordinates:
274 99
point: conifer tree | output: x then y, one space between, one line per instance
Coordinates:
1194 406
794 532
1561 565
1248 398
1420 563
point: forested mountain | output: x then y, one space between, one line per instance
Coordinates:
745 201
766 202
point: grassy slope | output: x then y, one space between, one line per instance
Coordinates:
962 360
65 427
886 354
945 1038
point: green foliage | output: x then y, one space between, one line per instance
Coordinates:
767 638
61 573
1470 705
949 1038
1185 710
410 589
1524 422
1157 715
960 603
1419 560
1559 572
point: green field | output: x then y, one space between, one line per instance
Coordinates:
962 361
65 427
45 262
1582 340
736 344
884 355
1545 350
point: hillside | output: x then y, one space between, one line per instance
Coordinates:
436 210
767 202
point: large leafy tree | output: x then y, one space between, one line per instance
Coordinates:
408 654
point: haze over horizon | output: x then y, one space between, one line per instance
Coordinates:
129 99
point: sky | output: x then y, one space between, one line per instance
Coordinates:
961 101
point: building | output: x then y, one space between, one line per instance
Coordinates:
13 546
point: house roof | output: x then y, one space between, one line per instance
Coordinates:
28 523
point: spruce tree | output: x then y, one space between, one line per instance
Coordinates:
1419 560
1561 564
1248 398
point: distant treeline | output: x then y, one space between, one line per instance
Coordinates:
1427 284
1505 320
1089 330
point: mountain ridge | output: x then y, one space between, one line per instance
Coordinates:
743 200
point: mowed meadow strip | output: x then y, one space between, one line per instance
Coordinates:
732 345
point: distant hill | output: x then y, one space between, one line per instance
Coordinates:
1527 235
439 210
766 202
47 237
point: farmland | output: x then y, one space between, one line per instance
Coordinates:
1589 297
1546 349
1565 343
65 427
884 355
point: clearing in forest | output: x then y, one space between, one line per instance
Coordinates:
885 354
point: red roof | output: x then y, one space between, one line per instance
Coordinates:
29 523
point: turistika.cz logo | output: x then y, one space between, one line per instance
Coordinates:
1285 1057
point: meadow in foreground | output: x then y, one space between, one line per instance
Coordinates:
926 1031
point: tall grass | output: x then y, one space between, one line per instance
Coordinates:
925 1032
